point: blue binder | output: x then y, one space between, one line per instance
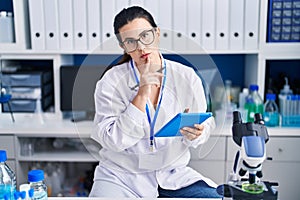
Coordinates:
182 120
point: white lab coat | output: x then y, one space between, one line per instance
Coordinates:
123 131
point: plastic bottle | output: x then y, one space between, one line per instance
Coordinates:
26 191
7 179
36 182
271 113
228 85
284 92
242 97
254 103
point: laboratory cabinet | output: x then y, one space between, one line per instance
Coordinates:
209 158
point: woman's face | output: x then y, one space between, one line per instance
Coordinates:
140 40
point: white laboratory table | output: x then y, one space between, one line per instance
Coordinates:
86 198
54 125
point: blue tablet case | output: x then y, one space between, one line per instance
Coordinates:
182 120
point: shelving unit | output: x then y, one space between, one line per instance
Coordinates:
220 157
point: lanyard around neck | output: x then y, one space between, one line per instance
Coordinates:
152 122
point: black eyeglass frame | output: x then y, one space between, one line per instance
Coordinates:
139 40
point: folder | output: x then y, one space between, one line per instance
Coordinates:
179 25
65 24
51 24
153 7
120 5
208 24
93 16
193 25
107 17
165 20
80 24
251 24
236 22
222 24
137 3
37 26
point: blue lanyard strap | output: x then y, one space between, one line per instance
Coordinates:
152 122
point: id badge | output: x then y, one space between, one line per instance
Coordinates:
151 161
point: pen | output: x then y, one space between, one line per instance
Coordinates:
137 85
186 110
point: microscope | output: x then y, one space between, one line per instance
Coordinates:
251 138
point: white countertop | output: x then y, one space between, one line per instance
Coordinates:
87 198
54 126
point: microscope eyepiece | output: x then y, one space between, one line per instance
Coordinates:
237 119
258 119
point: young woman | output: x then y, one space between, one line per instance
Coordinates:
134 99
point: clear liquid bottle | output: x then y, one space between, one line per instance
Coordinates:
254 103
7 179
283 96
271 113
36 182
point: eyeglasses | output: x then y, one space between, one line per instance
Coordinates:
146 37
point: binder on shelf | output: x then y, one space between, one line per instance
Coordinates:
236 21
222 24
165 20
208 24
179 25
51 24
120 5
107 16
93 16
153 7
136 3
37 26
194 25
251 24
65 24
80 25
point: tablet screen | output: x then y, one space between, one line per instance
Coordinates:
182 120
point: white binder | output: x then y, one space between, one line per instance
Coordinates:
208 24
51 24
153 7
137 3
222 24
179 25
120 5
251 24
107 17
65 24
165 20
93 16
236 20
193 25
80 24
37 26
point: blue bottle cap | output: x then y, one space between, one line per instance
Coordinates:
16 194
253 87
35 175
3 156
23 195
271 97
31 193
